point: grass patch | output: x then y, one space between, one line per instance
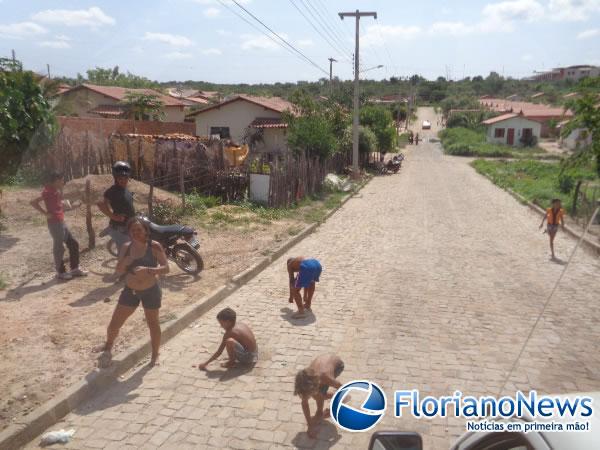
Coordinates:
466 142
3 282
539 182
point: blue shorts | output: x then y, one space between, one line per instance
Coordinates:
310 271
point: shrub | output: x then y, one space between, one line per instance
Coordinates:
166 212
566 183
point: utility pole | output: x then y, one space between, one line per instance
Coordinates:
357 15
331 61
14 58
48 67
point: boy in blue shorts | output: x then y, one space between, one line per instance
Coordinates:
309 270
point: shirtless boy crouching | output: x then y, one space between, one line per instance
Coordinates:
314 381
238 340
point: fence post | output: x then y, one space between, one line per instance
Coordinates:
150 199
181 183
88 215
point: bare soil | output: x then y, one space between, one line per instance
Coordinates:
48 328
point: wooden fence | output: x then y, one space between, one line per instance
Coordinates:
293 177
75 157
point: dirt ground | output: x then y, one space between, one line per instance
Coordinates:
47 327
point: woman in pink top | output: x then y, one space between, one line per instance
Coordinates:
55 215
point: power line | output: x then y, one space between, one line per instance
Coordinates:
310 61
322 23
255 27
337 25
336 49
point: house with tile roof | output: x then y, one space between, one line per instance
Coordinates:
231 118
538 112
90 100
512 129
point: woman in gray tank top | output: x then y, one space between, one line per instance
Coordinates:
142 261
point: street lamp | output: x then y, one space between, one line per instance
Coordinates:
372 68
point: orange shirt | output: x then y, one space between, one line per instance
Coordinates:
554 218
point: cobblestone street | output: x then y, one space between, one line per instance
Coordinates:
432 280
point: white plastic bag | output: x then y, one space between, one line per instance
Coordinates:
62 436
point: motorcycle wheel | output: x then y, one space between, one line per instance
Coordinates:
111 246
187 259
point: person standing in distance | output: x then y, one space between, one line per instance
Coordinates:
117 204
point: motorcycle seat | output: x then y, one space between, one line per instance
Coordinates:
166 229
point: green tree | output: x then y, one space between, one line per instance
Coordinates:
587 117
315 128
27 124
379 120
113 77
142 106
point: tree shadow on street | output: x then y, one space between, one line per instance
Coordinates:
116 393
6 242
287 314
21 290
327 437
96 295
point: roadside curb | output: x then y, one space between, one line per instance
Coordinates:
33 424
587 244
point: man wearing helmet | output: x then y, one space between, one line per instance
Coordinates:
117 203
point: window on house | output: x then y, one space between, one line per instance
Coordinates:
527 133
499 132
223 132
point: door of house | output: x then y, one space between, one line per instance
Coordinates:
510 138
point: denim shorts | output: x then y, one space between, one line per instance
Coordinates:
150 298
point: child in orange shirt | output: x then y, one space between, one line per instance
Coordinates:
554 216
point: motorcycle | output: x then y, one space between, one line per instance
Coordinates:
393 165
179 242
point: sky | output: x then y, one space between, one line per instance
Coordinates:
207 40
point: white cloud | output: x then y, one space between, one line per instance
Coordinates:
172 39
259 42
526 57
211 51
62 37
178 55
378 35
92 17
512 10
211 12
224 33
55 44
304 43
21 30
495 17
589 33
451 28
572 10
216 2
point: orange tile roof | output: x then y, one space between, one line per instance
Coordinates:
118 93
500 118
528 109
268 122
108 110
276 104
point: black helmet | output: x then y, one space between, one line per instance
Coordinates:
121 168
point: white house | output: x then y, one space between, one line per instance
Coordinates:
231 118
511 129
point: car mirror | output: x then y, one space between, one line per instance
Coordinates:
395 440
